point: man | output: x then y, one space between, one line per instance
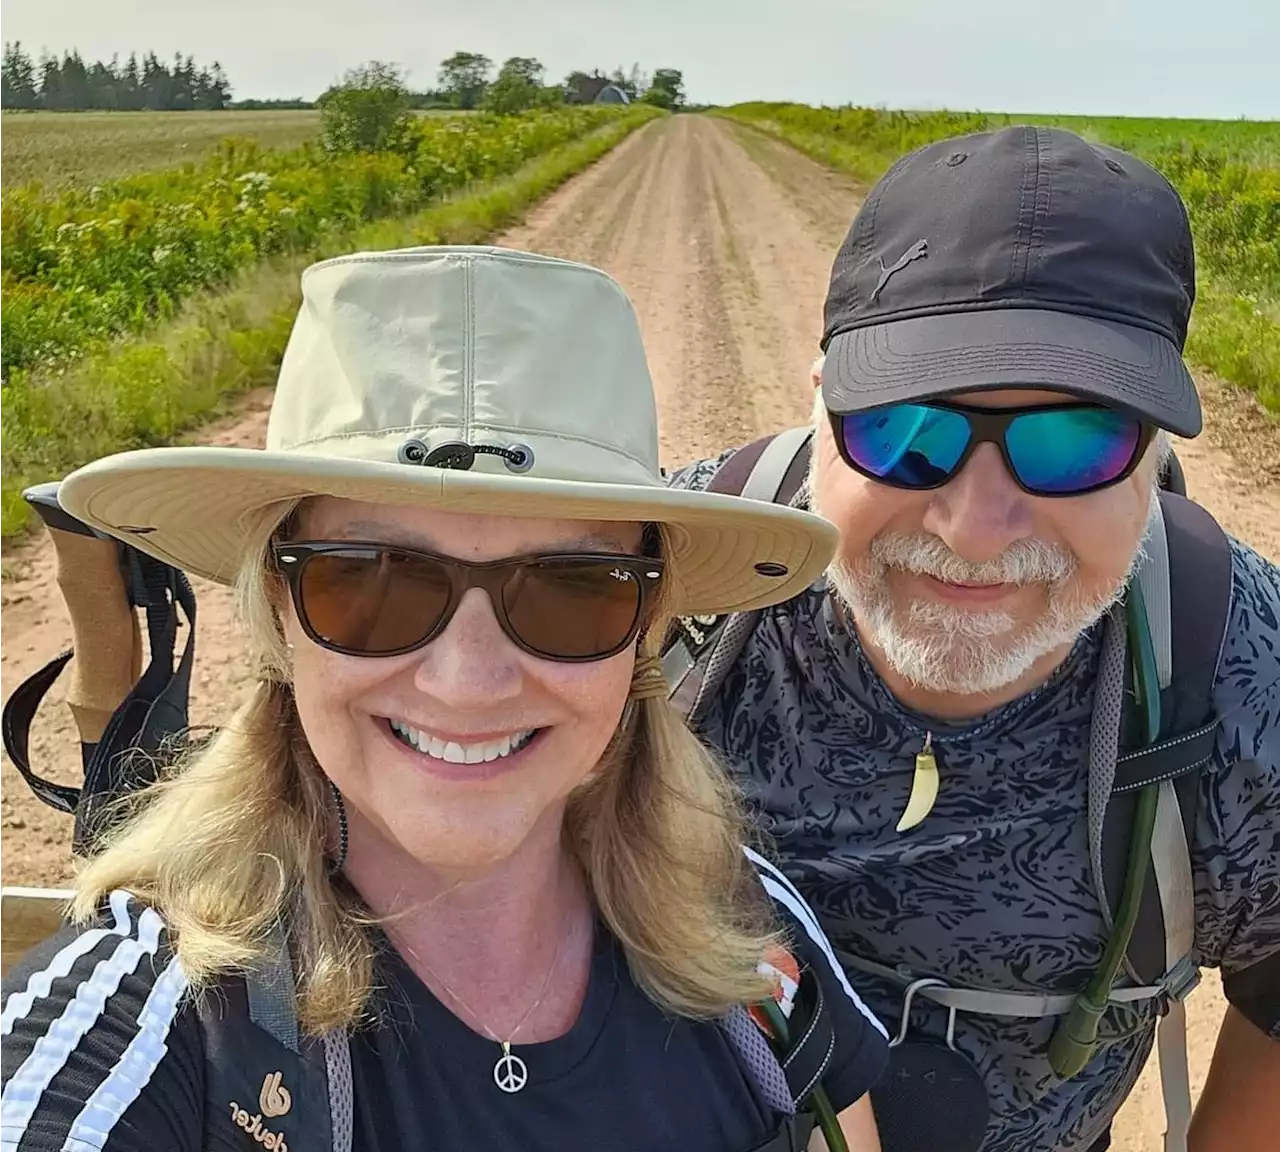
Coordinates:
1002 367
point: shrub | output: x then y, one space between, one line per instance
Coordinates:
367 112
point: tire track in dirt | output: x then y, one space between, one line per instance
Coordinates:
664 255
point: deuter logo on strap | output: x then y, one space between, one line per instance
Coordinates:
273 1100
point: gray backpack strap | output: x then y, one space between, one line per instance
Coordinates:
1171 862
703 648
273 1002
759 1059
1185 576
273 1007
776 461
337 1060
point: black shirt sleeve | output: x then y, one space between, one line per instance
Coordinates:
862 1043
1255 993
102 1046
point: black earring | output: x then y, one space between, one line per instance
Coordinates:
335 866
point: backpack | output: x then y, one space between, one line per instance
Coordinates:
1143 785
254 1047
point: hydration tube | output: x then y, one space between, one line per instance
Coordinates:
1076 1037
826 1116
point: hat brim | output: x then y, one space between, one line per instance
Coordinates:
925 357
198 508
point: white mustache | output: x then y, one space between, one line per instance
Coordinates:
1023 562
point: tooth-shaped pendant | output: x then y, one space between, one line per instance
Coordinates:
924 787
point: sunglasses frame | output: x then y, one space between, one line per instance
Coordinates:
292 557
989 426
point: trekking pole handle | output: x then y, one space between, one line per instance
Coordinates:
44 499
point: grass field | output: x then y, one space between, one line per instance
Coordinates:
234 248
56 148
1227 172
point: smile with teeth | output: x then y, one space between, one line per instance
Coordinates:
454 753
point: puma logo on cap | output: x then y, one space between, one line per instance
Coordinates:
918 251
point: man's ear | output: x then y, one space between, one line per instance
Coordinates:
815 372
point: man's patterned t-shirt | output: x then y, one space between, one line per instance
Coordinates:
993 889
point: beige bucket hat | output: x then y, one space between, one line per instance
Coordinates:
470 379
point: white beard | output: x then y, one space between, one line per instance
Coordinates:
945 648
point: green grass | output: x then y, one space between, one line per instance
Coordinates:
55 149
1227 172
90 264
148 390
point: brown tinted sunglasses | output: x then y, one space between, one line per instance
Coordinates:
375 600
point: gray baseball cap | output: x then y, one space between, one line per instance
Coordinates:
1023 258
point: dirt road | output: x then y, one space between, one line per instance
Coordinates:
724 241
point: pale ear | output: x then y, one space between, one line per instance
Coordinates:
815 372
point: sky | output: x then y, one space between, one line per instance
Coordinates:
1120 57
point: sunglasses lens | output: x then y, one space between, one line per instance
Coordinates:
1072 449
910 445
372 601
573 608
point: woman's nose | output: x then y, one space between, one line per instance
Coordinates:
472 662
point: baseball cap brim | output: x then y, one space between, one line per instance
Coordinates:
938 355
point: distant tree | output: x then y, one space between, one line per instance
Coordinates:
517 88
19 78
181 84
103 84
367 112
50 94
633 82
156 83
279 104
218 93
465 76
431 98
666 90
131 85
550 96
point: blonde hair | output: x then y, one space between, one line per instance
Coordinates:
230 846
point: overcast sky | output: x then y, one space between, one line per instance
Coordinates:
1211 58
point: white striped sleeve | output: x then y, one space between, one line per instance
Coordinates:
89 1019
784 893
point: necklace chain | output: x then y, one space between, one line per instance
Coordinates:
510 1072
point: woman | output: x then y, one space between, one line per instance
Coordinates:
454 851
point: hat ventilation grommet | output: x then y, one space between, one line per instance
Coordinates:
519 458
412 452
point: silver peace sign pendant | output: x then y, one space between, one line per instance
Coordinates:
510 1073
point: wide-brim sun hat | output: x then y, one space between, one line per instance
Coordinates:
473 380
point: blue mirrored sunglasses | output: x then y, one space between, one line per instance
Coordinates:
1050 450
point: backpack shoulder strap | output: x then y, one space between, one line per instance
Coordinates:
1186 580
700 649
147 720
787 1075
279 1084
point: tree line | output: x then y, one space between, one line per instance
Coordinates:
71 85
466 80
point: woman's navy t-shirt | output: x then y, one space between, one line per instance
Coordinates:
626 1076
